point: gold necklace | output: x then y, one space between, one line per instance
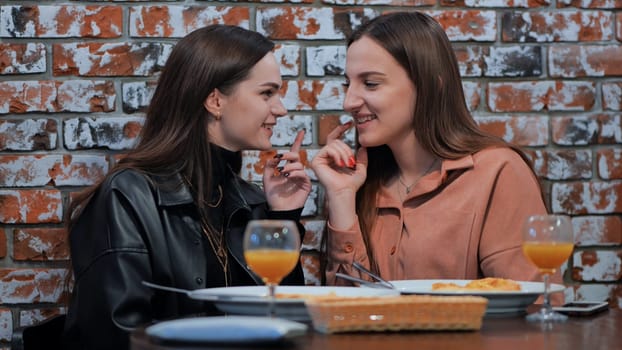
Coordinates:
219 249
220 194
409 188
219 198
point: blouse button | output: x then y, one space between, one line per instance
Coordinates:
197 241
393 249
348 248
199 280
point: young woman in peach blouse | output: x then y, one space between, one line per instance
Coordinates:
428 195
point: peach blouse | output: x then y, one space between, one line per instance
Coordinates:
462 222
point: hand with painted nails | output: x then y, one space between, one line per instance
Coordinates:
337 167
285 181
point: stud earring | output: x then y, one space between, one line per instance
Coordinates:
217 116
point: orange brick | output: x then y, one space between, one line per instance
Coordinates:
563 164
597 230
467 25
570 61
587 129
177 21
40 244
540 95
68 21
3 247
57 96
109 59
579 198
30 206
523 130
32 285
609 163
22 58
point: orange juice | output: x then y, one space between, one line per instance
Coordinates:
271 264
547 256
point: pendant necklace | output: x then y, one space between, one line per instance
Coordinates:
408 188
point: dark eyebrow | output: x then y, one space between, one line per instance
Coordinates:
271 84
364 75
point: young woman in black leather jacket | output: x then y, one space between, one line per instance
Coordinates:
174 209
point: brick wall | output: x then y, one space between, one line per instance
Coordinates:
76 76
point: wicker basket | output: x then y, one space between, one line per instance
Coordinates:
409 312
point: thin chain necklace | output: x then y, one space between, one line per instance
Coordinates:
219 249
408 188
217 243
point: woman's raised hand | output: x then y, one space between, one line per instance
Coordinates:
287 186
337 167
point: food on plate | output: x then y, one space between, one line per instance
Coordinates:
304 296
486 284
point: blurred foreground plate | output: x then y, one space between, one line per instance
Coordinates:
226 330
500 303
253 300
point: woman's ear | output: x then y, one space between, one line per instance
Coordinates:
213 103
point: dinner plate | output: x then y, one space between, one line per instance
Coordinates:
253 300
500 303
226 330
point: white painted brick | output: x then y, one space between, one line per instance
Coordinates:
288 57
315 230
32 171
326 60
137 95
606 268
6 324
26 134
81 92
287 127
593 292
100 132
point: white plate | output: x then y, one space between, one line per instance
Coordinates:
253 300
226 329
499 302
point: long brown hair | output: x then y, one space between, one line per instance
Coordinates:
442 122
174 136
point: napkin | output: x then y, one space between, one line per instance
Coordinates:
226 329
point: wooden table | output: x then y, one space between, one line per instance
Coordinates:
602 331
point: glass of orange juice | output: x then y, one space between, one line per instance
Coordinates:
547 243
271 250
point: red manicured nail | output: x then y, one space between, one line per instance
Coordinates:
352 162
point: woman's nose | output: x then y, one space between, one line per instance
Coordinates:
352 101
279 109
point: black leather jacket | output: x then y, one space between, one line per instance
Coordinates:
139 228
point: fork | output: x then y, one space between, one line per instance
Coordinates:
380 280
362 282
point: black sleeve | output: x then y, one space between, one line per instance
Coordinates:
110 260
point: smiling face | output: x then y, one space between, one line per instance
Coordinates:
249 112
380 95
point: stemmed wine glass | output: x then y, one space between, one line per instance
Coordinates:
547 243
271 250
